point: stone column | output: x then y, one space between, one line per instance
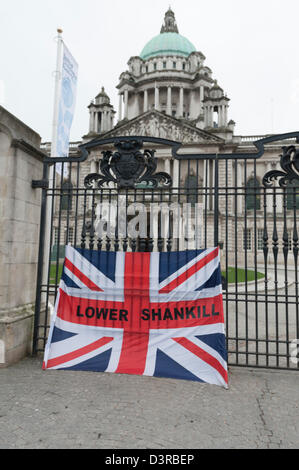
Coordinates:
175 173
120 113
145 101
126 103
157 99
91 121
201 97
169 103
104 121
220 116
225 115
167 165
181 102
208 116
95 122
93 166
109 121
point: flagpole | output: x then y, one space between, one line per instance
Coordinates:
49 207
58 73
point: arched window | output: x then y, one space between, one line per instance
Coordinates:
66 195
292 193
215 117
253 194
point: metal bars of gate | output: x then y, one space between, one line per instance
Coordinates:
251 216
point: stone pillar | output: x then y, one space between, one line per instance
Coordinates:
167 166
225 116
169 103
145 101
95 122
201 97
220 116
120 112
157 99
20 163
91 121
208 116
103 127
181 102
108 121
126 104
176 173
93 166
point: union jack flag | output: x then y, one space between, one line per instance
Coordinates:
155 314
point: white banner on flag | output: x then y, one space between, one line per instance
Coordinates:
67 100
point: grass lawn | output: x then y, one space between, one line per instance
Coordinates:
241 275
53 273
231 274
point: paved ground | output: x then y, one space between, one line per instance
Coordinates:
68 409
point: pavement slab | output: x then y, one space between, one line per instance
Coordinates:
58 409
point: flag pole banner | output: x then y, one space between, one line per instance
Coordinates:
153 314
66 103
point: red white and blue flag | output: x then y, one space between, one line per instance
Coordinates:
155 314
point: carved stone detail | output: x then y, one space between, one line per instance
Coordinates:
154 125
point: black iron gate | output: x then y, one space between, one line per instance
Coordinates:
251 214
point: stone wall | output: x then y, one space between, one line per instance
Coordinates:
20 163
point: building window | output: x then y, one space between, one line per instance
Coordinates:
253 195
146 69
66 195
247 239
191 188
164 65
260 238
184 66
174 65
56 236
155 66
69 236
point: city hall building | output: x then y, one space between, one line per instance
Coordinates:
169 92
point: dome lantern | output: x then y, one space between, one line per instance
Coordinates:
169 25
168 42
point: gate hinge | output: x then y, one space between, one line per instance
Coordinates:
43 184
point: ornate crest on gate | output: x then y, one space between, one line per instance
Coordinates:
289 162
128 167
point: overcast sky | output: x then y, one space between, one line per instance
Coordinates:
251 46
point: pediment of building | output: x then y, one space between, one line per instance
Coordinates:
156 124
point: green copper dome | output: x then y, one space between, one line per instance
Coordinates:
167 43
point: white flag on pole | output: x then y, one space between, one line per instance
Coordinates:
66 104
